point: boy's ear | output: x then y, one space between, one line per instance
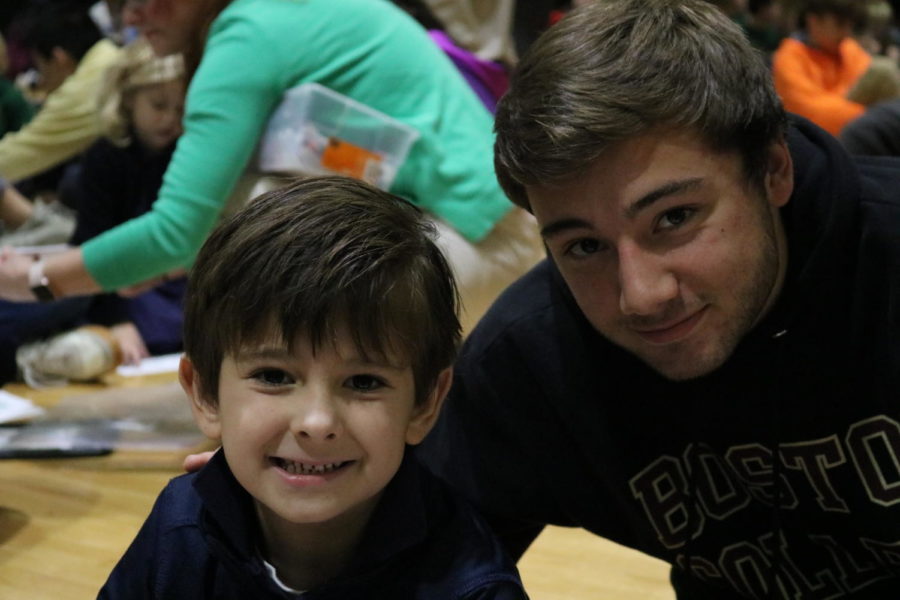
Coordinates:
425 413
206 415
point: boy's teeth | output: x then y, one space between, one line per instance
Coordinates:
296 468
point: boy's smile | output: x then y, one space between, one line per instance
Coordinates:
301 468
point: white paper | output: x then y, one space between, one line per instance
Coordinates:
16 408
167 363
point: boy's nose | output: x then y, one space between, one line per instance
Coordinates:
316 419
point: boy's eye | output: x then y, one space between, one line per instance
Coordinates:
272 377
672 219
365 383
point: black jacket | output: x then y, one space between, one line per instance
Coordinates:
775 476
201 541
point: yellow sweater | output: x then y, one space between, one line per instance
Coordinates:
65 125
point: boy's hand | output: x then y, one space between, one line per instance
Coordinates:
195 462
130 342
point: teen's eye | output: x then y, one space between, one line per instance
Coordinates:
272 377
676 217
584 247
365 383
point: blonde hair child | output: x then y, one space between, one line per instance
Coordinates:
140 107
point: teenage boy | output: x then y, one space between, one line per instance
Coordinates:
708 367
320 329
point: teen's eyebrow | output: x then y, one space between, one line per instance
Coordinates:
557 227
669 189
663 191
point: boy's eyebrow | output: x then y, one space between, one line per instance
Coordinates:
281 353
668 189
262 352
381 364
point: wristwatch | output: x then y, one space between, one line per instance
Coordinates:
38 282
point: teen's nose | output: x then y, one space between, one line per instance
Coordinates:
646 285
316 417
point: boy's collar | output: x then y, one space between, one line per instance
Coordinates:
397 523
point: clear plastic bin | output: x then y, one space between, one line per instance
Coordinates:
317 131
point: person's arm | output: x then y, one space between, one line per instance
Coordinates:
227 108
65 273
229 102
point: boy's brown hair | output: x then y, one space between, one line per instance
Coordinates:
313 257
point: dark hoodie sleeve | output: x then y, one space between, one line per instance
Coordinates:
477 448
498 590
133 576
168 546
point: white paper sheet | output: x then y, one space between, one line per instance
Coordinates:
167 363
15 408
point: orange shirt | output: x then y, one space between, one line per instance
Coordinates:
814 84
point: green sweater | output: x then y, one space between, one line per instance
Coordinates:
256 50
15 110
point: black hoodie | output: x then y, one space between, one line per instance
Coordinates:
548 422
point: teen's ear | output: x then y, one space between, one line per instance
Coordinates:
779 179
206 415
425 413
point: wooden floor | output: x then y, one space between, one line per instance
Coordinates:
572 564
64 524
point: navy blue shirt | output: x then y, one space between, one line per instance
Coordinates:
201 540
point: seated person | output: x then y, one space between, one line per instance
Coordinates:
142 102
816 70
320 329
71 56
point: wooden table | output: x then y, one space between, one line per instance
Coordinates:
65 523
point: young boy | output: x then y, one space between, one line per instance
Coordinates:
320 329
